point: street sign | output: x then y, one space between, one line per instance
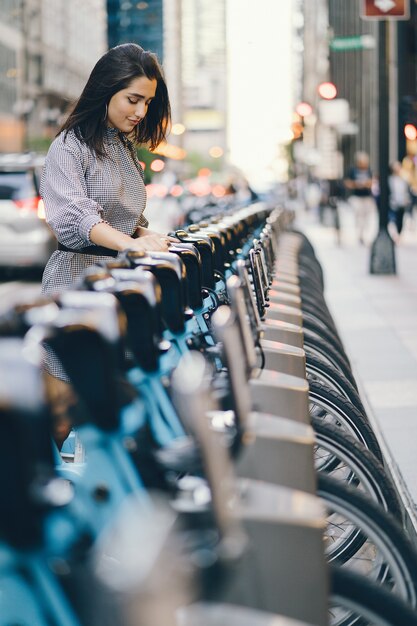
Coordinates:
355 42
385 9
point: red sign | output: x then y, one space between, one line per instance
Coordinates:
385 9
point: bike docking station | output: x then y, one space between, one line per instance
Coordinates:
200 488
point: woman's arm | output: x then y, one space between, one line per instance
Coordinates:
75 218
103 234
141 231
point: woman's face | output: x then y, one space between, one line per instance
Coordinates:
129 106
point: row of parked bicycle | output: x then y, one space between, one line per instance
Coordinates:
221 469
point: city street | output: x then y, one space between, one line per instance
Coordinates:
376 317
208 302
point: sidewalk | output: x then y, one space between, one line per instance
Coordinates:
377 320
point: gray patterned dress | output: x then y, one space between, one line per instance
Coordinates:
79 191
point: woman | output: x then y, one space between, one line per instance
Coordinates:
92 184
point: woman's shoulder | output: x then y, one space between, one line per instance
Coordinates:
68 141
67 147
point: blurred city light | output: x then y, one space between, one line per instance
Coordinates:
204 171
216 152
178 129
218 191
199 186
296 130
156 190
304 109
170 151
327 91
176 191
41 210
157 165
410 131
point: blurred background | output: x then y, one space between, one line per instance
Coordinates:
264 94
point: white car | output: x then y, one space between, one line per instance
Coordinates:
26 241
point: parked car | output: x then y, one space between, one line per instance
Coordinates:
26 241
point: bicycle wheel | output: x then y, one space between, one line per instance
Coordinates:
312 322
313 344
321 371
356 601
346 459
308 299
316 310
363 537
330 406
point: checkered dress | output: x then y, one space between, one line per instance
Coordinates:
79 191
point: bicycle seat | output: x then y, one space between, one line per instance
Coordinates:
166 273
89 355
143 319
181 269
205 246
26 454
191 258
95 278
218 241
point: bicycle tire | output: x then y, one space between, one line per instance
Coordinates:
312 292
345 415
331 377
319 347
308 298
396 558
310 306
366 603
363 468
307 277
317 326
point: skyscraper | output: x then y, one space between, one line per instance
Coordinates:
137 22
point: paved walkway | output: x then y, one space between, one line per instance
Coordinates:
377 319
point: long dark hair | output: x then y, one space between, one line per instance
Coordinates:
113 72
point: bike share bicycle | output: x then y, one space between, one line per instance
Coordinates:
127 293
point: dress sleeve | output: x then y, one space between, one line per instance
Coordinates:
143 221
69 211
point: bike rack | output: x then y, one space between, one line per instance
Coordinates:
199 468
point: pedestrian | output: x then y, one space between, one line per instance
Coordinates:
399 195
92 184
409 172
329 205
359 185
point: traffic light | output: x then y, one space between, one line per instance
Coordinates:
407 122
410 132
327 90
303 109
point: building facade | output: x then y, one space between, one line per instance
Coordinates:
11 79
341 47
204 75
189 37
136 22
48 50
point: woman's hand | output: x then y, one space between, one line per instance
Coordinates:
141 232
105 235
149 243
